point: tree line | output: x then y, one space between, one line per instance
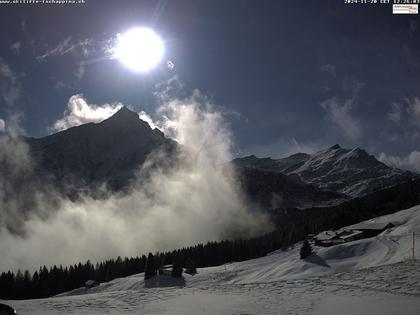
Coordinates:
47 282
292 226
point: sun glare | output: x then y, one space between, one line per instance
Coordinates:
140 49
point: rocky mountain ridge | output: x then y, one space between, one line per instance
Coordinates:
351 172
92 154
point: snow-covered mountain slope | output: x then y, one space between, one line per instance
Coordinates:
274 190
369 276
392 246
351 172
90 154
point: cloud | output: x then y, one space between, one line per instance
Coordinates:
339 108
58 84
17 171
413 108
9 84
2 125
146 117
406 116
80 72
15 47
414 160
339 113
79 47
395 113
15 166
13 125
195 200
329 68
391 160
407 109
411 161
80 112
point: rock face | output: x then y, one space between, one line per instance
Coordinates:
272 190
347 173
351 172
93 154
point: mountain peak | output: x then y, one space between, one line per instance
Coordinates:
335 147
125 114
125 118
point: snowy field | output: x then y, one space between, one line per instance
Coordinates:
370 276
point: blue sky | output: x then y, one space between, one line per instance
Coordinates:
298 75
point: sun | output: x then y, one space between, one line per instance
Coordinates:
140 49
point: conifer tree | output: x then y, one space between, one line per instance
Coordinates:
190 266
306 249
177 266
150 267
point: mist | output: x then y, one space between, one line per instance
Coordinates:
195 200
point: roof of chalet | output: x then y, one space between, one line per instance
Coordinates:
372 226
326 235
351 234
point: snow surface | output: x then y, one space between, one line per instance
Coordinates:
369 276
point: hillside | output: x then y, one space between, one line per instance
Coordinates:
369 276
272 190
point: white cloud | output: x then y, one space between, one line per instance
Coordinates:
9 84
146 117
77 47
414 160
2 125
391 160
411 161
408 110
80 112
195 201
14 125
80 47
406 116
80 72
339 113
395 113
413 109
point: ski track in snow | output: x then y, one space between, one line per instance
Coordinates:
371 276
399 282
